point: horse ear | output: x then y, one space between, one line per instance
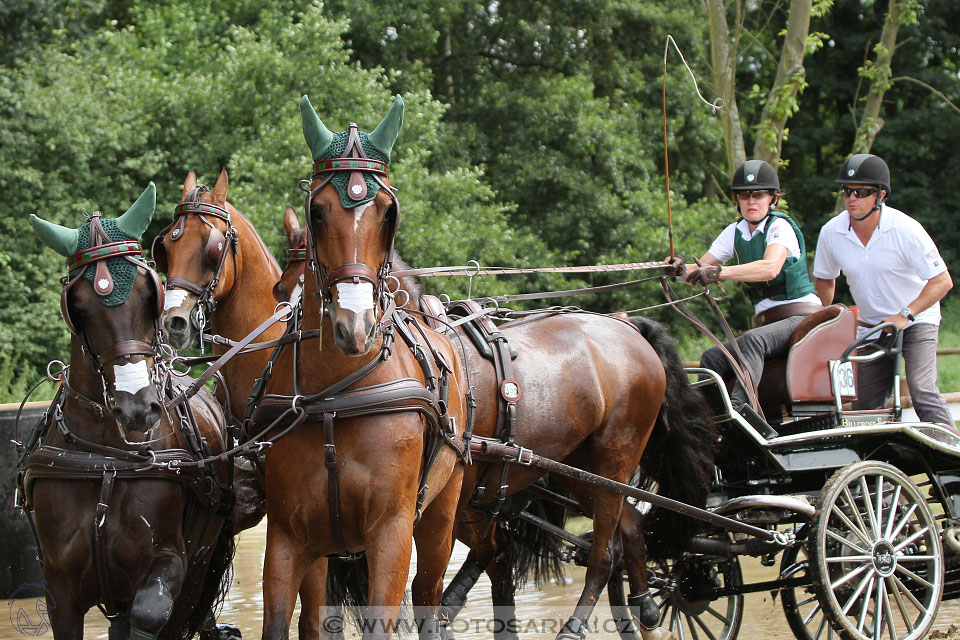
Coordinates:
189 184
291 225
318 137
137 218
219 195
63 240
387 131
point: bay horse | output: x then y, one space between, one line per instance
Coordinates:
130 505
598 419
220 271
372 407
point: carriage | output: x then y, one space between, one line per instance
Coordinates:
860 509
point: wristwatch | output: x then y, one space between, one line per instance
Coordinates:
905 312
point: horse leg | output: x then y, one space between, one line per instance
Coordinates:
388 557
606 515
119 628
643 608
283 573
66 616
434 539
313 601
153 603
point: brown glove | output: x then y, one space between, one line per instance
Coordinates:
674 267
705 275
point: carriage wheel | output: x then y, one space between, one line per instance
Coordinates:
678 588
875 555
800 604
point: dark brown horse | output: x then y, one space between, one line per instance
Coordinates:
591 394
126 516
379 403
220 271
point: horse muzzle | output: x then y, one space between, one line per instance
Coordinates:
353 332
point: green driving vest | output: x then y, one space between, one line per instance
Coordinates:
791 283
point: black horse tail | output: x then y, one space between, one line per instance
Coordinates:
348 584
528 549
679 456
217 576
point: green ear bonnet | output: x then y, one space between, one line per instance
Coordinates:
75 243
376 145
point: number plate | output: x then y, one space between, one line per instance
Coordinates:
843 378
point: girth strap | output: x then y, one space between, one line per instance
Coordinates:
100 545
333 483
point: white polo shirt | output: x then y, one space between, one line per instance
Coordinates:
887 274
780 233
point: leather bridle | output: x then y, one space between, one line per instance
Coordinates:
101 248
355 161
215 253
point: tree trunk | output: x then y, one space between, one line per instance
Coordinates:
878 72
724 61
790 81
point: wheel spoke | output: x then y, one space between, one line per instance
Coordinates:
903 590
914 577
866 606
903 521
856 594
693 629
680 626
912 537
888 612
893 513
820 627
860 530
810 615
878 610
850 576
705 628
719 616
878 518
847 543
861 558
807 601
904 615
874 526
915 558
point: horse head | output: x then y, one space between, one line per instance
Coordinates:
111 302
198 252
289 287
351 221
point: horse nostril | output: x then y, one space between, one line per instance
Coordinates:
176 324
342 332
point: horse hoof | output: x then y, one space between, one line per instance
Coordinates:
655 634
574 629
228 632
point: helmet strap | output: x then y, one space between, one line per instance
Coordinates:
876 207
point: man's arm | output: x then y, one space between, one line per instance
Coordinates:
932 292
825 289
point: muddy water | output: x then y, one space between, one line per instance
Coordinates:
543 610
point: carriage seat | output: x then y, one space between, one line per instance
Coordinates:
801 381
436 315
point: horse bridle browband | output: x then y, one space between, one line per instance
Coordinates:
215 252
355 161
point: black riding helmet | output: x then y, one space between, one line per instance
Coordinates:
865 168
755 175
